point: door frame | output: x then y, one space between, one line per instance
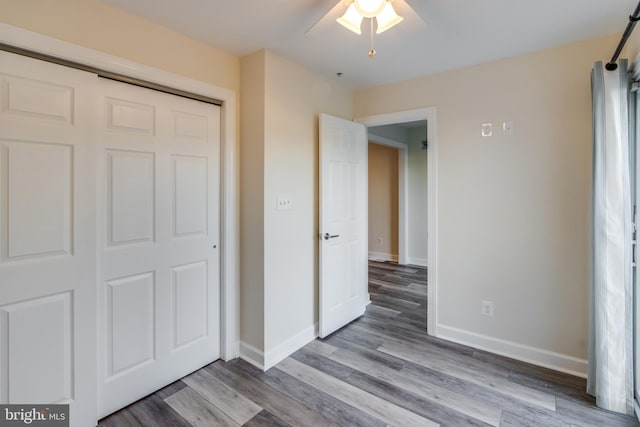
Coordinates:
229 331
429 114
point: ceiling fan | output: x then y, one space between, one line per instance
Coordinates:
380 14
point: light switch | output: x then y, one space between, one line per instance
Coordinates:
284 202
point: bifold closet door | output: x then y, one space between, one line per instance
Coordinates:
47 236
158 229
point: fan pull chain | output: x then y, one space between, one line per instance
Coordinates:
372 52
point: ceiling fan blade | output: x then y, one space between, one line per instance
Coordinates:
413 21
330 17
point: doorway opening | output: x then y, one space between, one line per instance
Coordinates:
417 219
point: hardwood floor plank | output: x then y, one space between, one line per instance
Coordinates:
427 408
373 356
595 416
122 418
197 410
446 356
353 335
170 389
153 411
488 377
418 286
474 408
536 414
384 312
266 419
387 331
392 302
277 403
239 408
512 420
367 402
322 364
395 289
381 266
321 348
321 401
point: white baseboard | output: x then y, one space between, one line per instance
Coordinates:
252 355
547 359
379 256
422 262
263 361
290 346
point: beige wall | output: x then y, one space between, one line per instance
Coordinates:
417 197
513 212
383 201
293 97
252 248
95 25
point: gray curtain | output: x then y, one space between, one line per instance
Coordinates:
610 376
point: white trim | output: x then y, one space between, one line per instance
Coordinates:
290 346
379 256
430 114
422 262
252 355
381 140
537 356
22 38
403 206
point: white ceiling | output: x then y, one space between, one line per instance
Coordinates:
458 33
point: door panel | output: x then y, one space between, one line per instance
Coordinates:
343 222
49 319
130 324
47 236
131 197
158 266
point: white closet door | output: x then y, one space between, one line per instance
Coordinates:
158 263
47 236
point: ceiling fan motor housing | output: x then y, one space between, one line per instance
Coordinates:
369 8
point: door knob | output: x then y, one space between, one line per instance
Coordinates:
328 236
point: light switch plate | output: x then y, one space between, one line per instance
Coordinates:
284 202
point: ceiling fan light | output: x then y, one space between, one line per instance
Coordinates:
387 18
370 8
351 19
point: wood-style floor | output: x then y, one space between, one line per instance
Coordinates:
380 370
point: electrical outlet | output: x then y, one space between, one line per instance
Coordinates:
487 308
380 240
284 202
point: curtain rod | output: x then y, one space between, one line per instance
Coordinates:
633 20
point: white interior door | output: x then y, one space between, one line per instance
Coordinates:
158 264
47 236
343 223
